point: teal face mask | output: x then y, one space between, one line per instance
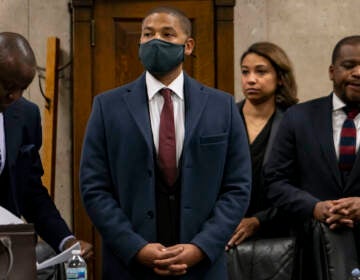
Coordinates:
160 57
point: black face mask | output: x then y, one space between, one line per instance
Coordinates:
160 57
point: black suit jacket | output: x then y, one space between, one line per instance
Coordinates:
28 197
271 220
303 168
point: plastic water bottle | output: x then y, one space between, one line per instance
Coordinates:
355 274
76 267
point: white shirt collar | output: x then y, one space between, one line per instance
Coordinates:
153 85
338 104
2 142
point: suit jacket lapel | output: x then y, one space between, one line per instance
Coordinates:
322 121
13 131
137 103
274 129
354 175
136 100
195 101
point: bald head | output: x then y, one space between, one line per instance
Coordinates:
17 61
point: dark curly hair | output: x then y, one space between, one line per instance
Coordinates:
350 40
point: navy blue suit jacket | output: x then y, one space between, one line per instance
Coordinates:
118 184
303 168
28 197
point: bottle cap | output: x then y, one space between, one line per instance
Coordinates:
355 272
75 252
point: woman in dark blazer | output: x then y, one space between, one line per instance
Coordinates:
269 88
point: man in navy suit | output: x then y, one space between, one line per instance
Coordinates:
158 220
304 175
21 189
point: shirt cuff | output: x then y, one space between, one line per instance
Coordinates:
62 243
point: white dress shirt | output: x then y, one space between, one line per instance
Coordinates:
156 102
338 118
2 143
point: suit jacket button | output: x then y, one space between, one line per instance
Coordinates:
150 214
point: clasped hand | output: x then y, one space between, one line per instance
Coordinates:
166 261
338 213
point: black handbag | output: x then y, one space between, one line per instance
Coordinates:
334 252
260 259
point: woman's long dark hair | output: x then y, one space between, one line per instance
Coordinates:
286 93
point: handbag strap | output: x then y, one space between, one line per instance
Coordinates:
6 242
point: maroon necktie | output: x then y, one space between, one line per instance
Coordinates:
167 140
347 151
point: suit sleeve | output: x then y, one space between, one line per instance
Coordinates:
234 196
266 216
39 208
97 192
283 171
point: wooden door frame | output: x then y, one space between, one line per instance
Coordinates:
82 41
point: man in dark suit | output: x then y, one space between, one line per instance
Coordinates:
311 173
165 213
21 189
